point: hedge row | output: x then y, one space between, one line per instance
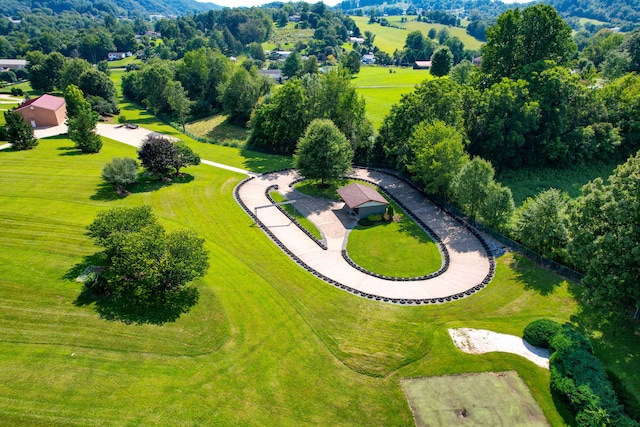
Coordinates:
577 376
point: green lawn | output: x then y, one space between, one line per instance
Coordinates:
291 210
268 343
395 249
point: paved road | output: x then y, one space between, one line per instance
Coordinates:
125 135
469 263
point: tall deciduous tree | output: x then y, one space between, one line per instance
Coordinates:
82 131
439 155
541 224
604 225
323 152
157 154
437 99
471 186
441 61
241 93
19 132
519 39
147 267
74 98
178 101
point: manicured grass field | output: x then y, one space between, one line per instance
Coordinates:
268 343
483 400
395 249
291 210
383 87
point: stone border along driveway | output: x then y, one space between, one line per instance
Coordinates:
471 265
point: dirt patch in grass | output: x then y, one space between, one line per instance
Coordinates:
484 399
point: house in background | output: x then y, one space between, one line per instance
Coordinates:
44 111
362 200
422 65
13 64
114 56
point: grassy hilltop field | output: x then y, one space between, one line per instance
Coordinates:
267 344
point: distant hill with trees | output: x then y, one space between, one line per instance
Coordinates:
624 13
129 8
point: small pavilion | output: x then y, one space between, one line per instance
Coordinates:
362 200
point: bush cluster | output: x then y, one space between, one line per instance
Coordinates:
375 217
577 376
540 332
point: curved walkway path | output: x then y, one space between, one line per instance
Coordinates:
470 265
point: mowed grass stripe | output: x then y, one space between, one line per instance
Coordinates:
268 344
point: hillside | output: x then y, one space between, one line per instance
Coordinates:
620 12
130 8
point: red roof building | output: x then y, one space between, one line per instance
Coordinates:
44 111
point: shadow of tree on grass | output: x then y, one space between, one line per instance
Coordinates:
146 184
124 308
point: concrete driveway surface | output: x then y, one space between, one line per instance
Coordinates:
470 265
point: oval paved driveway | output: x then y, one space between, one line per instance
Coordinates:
470 266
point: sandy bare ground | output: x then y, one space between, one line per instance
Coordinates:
478 341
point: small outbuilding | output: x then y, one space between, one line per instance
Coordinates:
422 65
44 111
362 200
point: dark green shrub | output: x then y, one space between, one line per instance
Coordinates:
365 222
390 211
568 340
540 332
579 378
375 217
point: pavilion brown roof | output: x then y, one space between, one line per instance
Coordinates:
356 195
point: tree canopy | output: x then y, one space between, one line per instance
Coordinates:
605 236
145 266
323 152
19 132
520 38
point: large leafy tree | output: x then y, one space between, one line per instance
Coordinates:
74 98
158 154
541 224
323 152
82 130
184 157
437 99
499 121
604 225
240 94
178 101
147 267
280 119
520 38
471 186
441 61
439 155
19 132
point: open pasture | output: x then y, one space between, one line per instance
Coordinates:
389 39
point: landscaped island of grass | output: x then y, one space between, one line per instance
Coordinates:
394 248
